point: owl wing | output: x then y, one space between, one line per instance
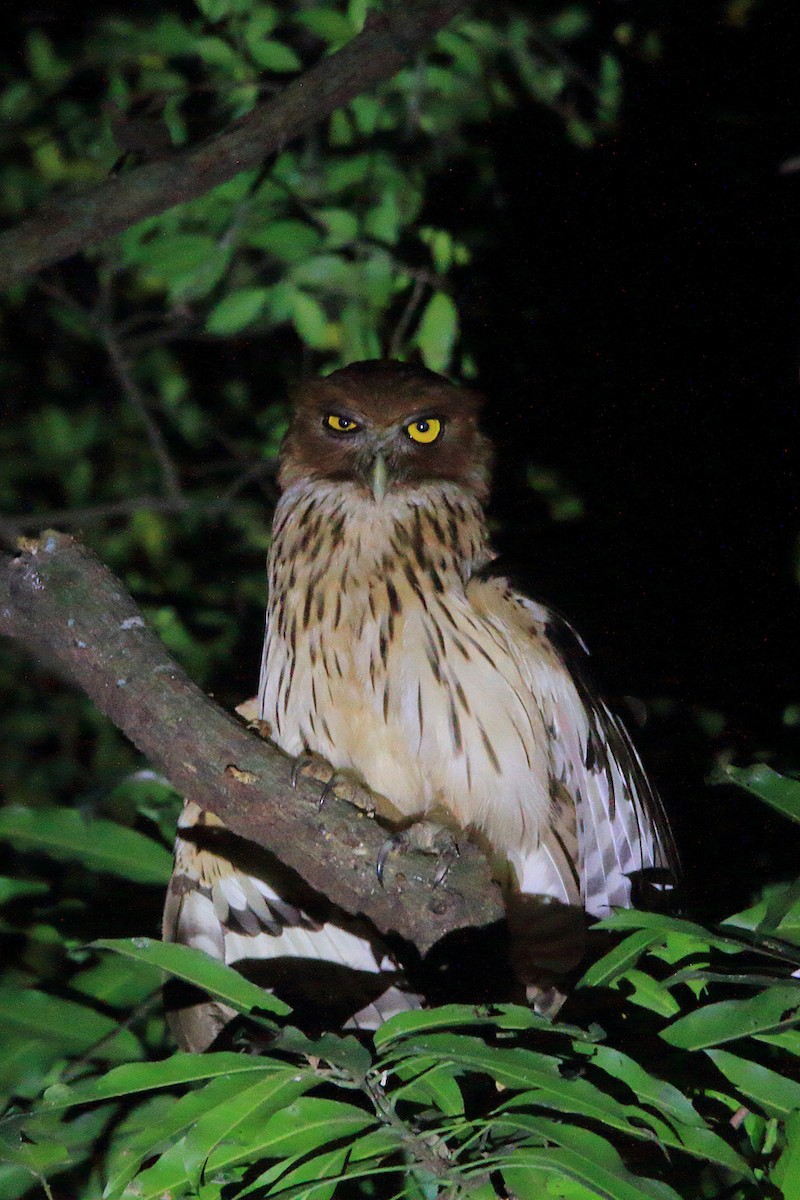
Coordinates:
238 904
608 841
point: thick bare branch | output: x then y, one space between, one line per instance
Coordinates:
59 600
63 227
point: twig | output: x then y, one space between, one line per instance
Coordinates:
135 398
407 316
11 527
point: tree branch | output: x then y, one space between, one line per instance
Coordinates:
62 227
60 601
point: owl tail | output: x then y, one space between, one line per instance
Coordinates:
241 906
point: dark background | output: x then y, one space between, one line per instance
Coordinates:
639 331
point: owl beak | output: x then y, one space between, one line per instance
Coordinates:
378 477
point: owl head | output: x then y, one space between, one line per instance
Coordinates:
386 426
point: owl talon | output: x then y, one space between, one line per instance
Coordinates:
426 837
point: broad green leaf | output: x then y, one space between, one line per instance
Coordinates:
451 1016
787 1170
65 1025
779 791
634 918
170 1072
650 993
171 256
194 966
237 310
302 1127
778 1095
274 56
611 966
182 1115
537 1077
228 1123
13 889
326 23
429 1083
343 1051
119 984
437 331
45 65
311 323
356 1158
730 1019
342 226
586 1158
289 240
99 844
686 1129
215 10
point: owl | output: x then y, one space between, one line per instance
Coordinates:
395 655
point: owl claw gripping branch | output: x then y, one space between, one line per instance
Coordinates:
390 654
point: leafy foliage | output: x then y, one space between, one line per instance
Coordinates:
683 1083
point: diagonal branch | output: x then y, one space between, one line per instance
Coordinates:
60 601
62 227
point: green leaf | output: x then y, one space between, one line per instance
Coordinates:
311 323
228 1123
215 10
787 1171
345 1052
437 331
168 1132
12 889
143 1077
64 1024
451 1016
427 1082
583 1157
298 1128
99 844
776 1094
323 1172
536 1077
342 226
194 966
45 65
727 1020
651 993
171 255
274 56
779 791
611 966
116 983
326 23
687 1130
237 310
289 240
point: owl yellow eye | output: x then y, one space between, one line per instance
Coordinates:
340 424
426 430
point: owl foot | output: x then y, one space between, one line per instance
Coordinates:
337 781
427 837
